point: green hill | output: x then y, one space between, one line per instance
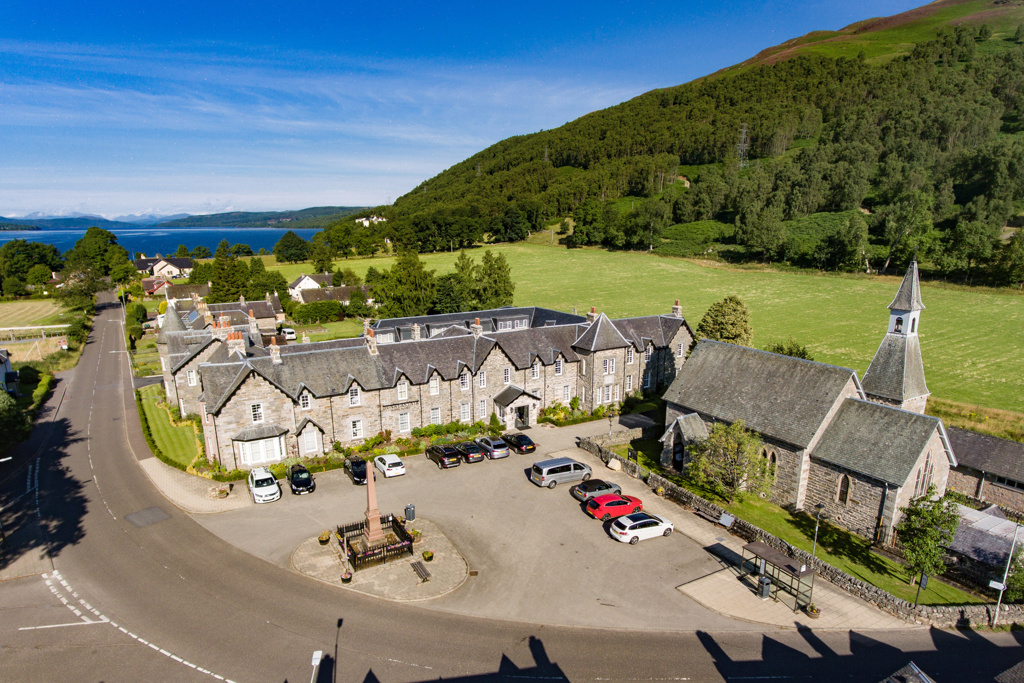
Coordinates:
316 217
913 120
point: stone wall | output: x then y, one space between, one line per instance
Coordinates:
942 616
863 503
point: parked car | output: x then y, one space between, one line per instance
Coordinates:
558 471
289 333
300 480
640 526
390 464
593 488
471 451
612 505
444 457
263 486
520 443
493 447
355 467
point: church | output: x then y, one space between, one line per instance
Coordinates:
861 449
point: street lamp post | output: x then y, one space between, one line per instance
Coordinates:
814 548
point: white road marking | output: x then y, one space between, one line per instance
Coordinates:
55 575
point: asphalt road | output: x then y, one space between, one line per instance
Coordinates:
171 601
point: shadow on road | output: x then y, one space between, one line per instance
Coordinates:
543 669
29 525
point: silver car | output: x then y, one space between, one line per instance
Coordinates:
593 488
493 446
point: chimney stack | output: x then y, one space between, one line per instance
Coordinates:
477 328
237 343
677 310
254 329
220 329
415 332
275 351
371 342
592 314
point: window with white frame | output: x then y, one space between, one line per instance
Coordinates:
609 366
464 413
504 325
647 380
558 367
508 375
583 365
256 410
647 355
607 393
191 375
385 338
304 401
357 429
629 382
535 370
616 392
403 423
520 324
403 390
679 350
482 379
629 355
435 416
565 393
483 409
309 440
464 381
353 395
435 386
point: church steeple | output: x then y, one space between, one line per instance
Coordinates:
896 374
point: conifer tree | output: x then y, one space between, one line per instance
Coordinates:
727 320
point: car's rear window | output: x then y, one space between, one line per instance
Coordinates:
593 503
537 469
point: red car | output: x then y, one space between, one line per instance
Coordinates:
613 505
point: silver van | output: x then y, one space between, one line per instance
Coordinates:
558 471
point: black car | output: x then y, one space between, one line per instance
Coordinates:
355 467
592 488
300 480
520 443
444 456
471 452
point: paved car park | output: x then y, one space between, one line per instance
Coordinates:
538 556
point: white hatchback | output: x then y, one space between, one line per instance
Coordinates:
262 485
640 526
390 464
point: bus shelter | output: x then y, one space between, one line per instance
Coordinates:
794 581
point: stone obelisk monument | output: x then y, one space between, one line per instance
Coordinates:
372 532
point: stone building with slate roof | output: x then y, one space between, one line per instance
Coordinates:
827 439
267 312
303 281
263 404
990 469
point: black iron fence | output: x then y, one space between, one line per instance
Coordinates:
397 543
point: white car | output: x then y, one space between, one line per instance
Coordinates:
289 333
390 464
493 446
640 526
263 486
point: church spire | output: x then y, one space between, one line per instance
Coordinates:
896 374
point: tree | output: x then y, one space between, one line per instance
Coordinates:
79 291
727 320
1011 261
40 274
98 249
1018 35
230 276
321 253
123 274
845 248
984 32
346 276
510 226
729 461
494 285
240 250
1015 579
451 295
17 258
908 223
357 306
202 272
12 420
291 248
201 252
14 287
407 289
927 526
789 348
182 252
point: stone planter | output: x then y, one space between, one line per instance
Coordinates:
812 613
428 556
324 538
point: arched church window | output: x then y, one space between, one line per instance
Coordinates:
772 462
899 325
843 495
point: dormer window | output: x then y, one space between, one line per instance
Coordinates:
629 355
353 395
535 370
403 390
304 401
464 380
435 386
520 324
558 367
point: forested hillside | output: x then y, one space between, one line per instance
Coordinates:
849 164
316 217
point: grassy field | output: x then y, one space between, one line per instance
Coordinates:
33 312
841 549
972 339
177 443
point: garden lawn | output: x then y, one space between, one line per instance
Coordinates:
146 358
30 312
972 340
841 549
177 443
349 327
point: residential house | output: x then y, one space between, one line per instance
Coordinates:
340 294
303 282
8 376
165 267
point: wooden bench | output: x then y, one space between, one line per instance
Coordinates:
725 519
421 571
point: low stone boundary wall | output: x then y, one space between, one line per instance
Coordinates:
943 616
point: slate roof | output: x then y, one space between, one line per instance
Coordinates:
911 673
322 279
257 432
601 336
173 291
509 394
545 344
534 316
448 356
691 427
176 261
897 370
779 396
984 535
172 323
343 293
658 330
908 296
307 421
879 441
1001 457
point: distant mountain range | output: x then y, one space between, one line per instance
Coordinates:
315 217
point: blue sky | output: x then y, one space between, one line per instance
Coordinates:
114 107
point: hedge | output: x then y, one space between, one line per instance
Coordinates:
149 436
